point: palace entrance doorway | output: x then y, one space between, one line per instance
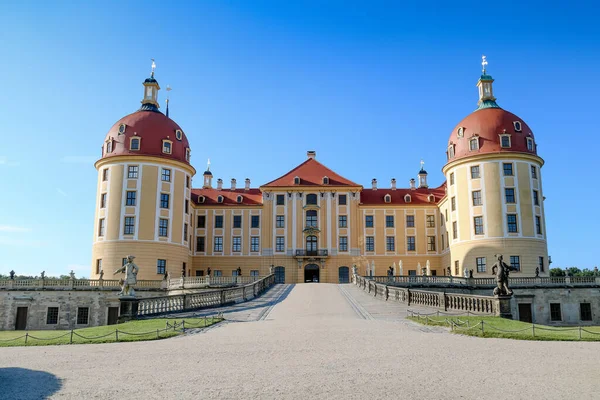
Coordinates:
311 273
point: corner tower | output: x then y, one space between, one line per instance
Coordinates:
143 196
494 202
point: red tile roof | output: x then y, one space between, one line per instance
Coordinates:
252 197
417 196
311 173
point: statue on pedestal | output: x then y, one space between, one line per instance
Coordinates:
12 275
101 274
502 270
43 275
130 270
72 275
537 272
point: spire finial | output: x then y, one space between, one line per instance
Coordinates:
208 165
483 63
167 100
153 67
422 164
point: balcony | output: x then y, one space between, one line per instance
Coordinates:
312 253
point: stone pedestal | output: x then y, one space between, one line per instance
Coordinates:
129 308
503 308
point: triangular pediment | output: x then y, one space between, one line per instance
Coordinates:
310 173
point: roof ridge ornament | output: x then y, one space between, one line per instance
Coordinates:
483 63
153 68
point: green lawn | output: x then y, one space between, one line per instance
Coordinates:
510 329
150 329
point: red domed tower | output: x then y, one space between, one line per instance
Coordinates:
144 186
494 202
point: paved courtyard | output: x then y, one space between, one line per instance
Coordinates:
311 341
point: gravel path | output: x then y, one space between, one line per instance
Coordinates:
312 345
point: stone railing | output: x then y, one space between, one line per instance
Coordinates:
209 298
195 282
439 300
74 284
514 281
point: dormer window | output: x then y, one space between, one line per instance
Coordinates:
517 125
460 132
450 151
387 198
431 198
134 144
505 141
474 144
239 199
296 181
201 199
407 198
325 180
187 154
166 147
109 146
219 199
529 144
178 134
122 129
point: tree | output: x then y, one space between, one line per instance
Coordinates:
557 272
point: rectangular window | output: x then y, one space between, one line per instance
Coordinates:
538 225
83 315
343 243
476 194
478 222
132 171
370 243
515 262
368 221
163 227
166 175
52 316
254 244
343 221
217 272
456 268
509 195
280 199
218 244
453 203
536 200
430 221
452 178
475 172
505 141
187 181
541 263
280 244
446 212
430 243
161 267
255 221
410 221
473 144
103 200
390 243
201 221
98 265
508 169
280 221
123 261
585 311
555 314
131 198
164 200
105 174
410 243
389 221
533 172
101 227
218 221
480 261
454 230
200 243
442 241
529 144
254 272
185 232
129 226
187 206
237 244
342 199
237 221
511 219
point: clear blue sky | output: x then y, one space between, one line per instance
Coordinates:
372 86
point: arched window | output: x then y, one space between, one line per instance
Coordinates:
311 199
296 181
431 198
311 218
220 199
239 199
109 146
407 198
201 199
388 198
311 244
325 180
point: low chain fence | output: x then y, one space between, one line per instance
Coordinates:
482 327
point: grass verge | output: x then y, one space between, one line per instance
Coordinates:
133 331
510 329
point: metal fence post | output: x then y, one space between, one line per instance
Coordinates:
579 332
71 341
482 330
117 335
533 330
26 336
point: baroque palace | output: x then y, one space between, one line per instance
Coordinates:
312 224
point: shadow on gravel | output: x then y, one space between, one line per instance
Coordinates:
27 384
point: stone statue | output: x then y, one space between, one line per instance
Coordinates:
502 270
101 274
537 272
12 275
239 271
428 268
130 270
470 274
72 275
208 271
449 271
466 273
400 268
43 275
354 270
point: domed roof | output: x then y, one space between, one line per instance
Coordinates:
152 127
487 125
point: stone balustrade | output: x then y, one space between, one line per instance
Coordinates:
515 281
74 284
